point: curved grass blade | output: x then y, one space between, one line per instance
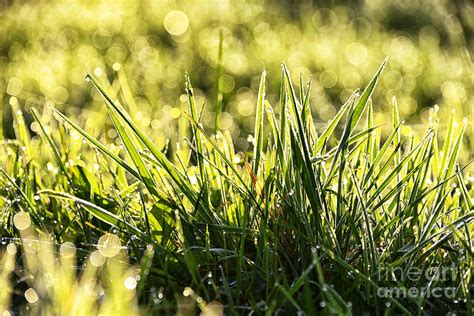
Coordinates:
145 175
98 212
258 148
100 146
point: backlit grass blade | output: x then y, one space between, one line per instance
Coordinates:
159 156
132 150
341 149
381 153
396 125
283 113
21 130
313 189
335 120
100 146
23 194
366 94
258 148
196 134
216 147
126 91
388 178
96 211
49 140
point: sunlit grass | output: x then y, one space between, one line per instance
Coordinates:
308 220
54 282
47 48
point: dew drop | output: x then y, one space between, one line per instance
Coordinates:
22 220
109 245
116 66
67 250
130 283
97 259
11 249
98 71
31 296
188 291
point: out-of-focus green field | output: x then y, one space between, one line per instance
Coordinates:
46 47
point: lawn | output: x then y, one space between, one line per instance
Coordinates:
236 158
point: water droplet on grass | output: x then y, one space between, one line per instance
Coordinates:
130 283
11 248
22 220
31 296
109 245
67 250
116 66
188 291
96 259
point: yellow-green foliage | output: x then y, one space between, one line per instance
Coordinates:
116 197
55 285
47 46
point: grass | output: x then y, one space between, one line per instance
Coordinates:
46 46
306 221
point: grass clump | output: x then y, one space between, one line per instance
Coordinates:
308 221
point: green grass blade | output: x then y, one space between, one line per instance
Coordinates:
100 146
258 148
97 211
366 94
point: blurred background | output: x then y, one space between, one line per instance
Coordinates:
46 48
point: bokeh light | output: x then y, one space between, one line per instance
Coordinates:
143 48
